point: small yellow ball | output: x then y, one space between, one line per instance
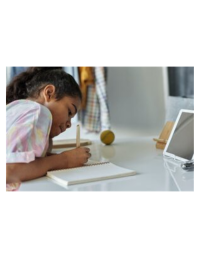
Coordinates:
107 137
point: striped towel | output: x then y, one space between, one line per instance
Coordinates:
96 116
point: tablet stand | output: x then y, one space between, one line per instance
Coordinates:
162 140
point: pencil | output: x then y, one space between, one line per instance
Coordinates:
78 136
160 140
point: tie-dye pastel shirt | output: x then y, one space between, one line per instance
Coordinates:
28 126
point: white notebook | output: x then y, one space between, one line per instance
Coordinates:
89 173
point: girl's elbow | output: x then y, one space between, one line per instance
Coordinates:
11 175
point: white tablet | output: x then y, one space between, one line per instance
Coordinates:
180 145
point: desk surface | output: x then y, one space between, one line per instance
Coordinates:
154 173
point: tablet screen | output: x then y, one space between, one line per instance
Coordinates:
181 140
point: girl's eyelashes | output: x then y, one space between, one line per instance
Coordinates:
70 113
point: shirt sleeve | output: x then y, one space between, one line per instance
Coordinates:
28 137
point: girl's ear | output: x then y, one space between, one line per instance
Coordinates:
49 92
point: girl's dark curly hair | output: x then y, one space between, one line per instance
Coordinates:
31 82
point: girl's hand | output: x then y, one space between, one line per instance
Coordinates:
76 157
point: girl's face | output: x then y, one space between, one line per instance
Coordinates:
62 112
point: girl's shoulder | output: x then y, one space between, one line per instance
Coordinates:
27 112
26 106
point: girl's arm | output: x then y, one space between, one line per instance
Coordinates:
19 172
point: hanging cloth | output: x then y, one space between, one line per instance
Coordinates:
100 83
91 115
86 77
95 117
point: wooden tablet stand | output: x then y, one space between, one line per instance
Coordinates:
162 140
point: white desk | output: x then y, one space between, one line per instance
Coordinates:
139 153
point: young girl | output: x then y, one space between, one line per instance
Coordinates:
40 105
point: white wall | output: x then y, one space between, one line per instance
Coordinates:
137 97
